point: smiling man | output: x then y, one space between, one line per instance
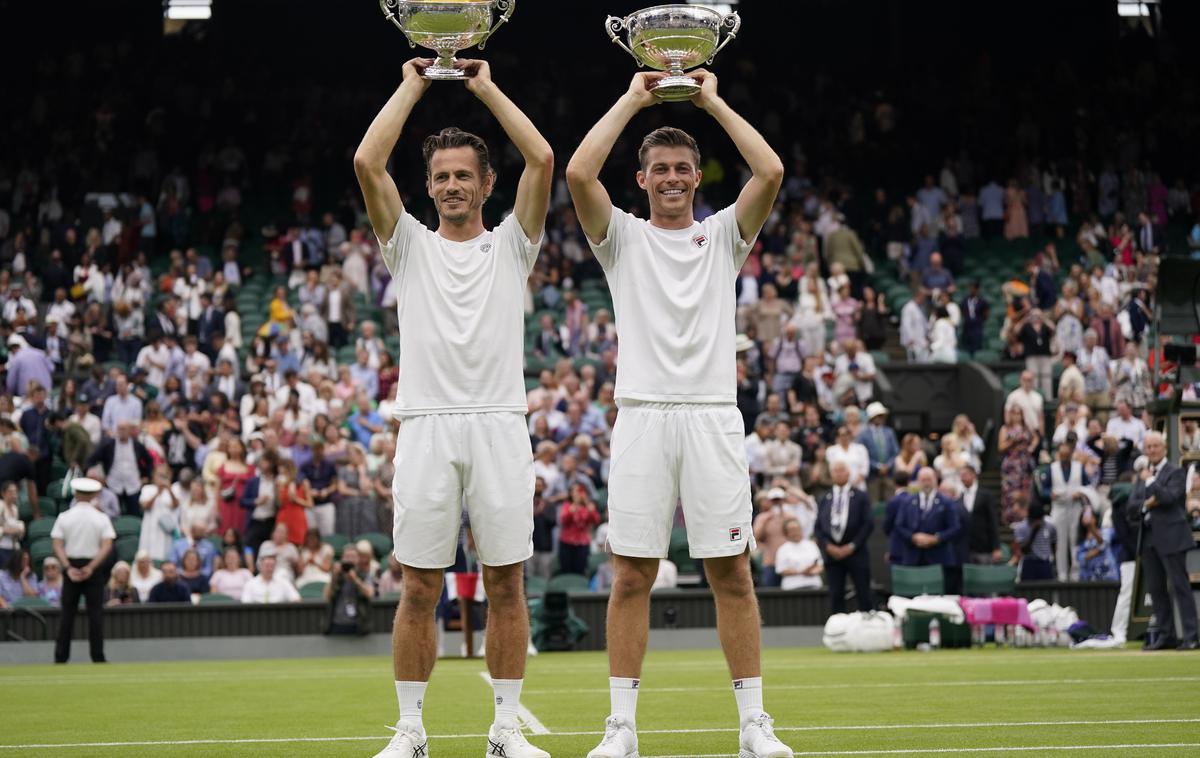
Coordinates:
461 393
679 434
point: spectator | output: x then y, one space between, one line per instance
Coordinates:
192 575
798 560
50 588
120 591
1018 445
1016 224
349 593
295 502
873 326
1094 556
1131 379
911 457
1035 334
316 560
981 524
230 579
781 456
26 364
576 518
171 589
928 525
991 204
121 406
196 540
856 367
1029 402
1033 541
1073 422
125 463
12 528
769 532
975 310
1097 374
267 586
937 276
544 520
880 441
1072 388
843 525
143 576
160 515
853 454
287 564
1129 431
914 328
232 476
1068 501
943 338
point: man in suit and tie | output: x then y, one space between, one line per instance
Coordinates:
212 320
880 441
899 498
843 524
928 525
980 534
1158 504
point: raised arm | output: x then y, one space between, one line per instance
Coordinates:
758 196
592 204
533 189
370 160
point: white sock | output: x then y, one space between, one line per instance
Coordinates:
748 694
412 697
622 694
508 695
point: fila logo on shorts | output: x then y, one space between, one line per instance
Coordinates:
699 240
735 534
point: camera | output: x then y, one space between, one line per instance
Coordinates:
347 566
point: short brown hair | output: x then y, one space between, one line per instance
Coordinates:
452 137
668 136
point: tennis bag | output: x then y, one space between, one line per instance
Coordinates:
859 632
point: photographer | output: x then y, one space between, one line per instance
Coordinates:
349 595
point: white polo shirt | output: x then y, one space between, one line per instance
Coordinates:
82 528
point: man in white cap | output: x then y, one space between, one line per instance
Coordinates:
882 447
83 538
26 363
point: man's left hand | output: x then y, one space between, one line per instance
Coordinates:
479 73
707 96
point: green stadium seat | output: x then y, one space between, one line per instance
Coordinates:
127 547
127 525
568 583
678 552
380 543
33 602
910 581
981 581
337 542
58 468
39 529
39 551
595 561
48 506
535 585
216 598
987 356
313 591
881 357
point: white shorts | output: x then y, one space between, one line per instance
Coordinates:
442 457
665 453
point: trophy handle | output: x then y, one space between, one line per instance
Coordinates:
506 8
613 25
732 22
389 8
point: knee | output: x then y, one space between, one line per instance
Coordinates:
503 585
729 577
633 579
421 591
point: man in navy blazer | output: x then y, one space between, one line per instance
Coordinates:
928 525
1158 505
843 525
892 514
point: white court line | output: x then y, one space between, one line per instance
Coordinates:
893 685
524 714
927 751
831 728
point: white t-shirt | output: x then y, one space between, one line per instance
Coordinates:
673 297
461 308
82 528
798 555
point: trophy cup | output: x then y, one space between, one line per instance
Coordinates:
446 26
673 38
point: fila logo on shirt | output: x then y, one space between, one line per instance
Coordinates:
485 247
699 240
735 534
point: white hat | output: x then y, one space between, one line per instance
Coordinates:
85 485
16 340
776 493
742 343
876 409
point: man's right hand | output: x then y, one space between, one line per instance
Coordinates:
641 89
414 70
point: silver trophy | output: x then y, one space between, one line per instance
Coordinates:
446 26
674 38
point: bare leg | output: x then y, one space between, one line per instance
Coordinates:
508 621
737 613
629 614
414 634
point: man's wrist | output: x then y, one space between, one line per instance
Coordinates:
486 90
714 104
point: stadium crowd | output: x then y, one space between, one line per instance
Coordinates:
231 387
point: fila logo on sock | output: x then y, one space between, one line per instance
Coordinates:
419 704
735 533
737 684
699 240
499 700
636 682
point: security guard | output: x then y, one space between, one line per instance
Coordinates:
83 538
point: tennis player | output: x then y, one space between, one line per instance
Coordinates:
678 435
461 394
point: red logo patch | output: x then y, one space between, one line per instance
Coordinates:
699 240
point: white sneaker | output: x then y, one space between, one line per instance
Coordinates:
408 742
759 740
505 740
619 741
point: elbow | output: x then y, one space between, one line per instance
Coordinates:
542 158
365 163
577 175
773 171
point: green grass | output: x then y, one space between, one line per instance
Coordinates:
946 701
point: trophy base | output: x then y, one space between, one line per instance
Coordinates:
673 89
437 71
